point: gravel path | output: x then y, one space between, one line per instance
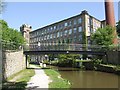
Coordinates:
39 80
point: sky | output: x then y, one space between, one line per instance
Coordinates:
39 14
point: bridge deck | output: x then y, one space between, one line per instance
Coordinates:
64 52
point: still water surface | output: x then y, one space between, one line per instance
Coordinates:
88 79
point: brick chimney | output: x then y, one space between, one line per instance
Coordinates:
110 19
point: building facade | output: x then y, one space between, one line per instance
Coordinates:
74 30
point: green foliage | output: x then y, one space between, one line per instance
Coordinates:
103 36
11 38
67 60
3 25
118 28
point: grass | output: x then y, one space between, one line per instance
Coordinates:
34 66
19 80
57 82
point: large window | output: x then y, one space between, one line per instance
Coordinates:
75 30
80 20
58 34
70 31
80 29
91 21
75 22
45 31
65 32
80 37
74 39
50 36
61 34
54 27
66 24
45 38
54 35
70 23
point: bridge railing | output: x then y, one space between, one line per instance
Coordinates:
74 47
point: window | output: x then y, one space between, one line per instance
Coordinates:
75 30
88 29
74 38
58 34
88 20
65 32
50 36
42 32
80 29
60 26
54 35
41 38
51 28
57 27
91 22
75 22
61 34
66 24
95 24
80 37
80 20
54 27
70 31
45 38
70 23
45 31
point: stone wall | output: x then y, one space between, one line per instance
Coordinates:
13 62
112 57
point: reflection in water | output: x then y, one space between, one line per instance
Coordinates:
89 79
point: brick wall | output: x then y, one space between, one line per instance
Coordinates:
13 62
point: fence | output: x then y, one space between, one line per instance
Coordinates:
75 47
57 46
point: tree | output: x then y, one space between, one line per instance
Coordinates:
118 28
103 36
11 38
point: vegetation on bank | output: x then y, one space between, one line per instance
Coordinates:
57 81
19 80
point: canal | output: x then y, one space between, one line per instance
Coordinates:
88 79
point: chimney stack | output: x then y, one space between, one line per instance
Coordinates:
110 19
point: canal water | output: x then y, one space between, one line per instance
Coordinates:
88 79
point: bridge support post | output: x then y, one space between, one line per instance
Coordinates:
26 61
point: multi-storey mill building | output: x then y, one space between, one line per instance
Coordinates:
73 30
